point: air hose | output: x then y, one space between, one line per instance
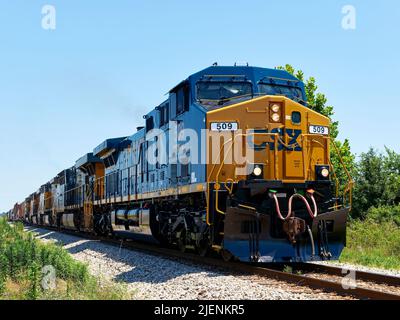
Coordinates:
312 240
312 214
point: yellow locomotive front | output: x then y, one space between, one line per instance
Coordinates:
270 193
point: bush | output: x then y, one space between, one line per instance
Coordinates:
377 182
385 214
22 258
373 243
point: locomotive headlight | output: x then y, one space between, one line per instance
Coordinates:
325 173
257 171
276 108
322 172
275 117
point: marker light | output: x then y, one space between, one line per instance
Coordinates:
325 173
275 107
275 117
257 171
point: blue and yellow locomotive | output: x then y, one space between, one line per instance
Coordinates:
234 160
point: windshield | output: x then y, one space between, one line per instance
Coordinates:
274 89
221 92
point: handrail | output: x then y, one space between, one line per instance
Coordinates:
304 138
241 135
217 182
349 187
350 183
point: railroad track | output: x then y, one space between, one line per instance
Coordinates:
377 278
300 275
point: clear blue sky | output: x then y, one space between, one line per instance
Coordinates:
64 91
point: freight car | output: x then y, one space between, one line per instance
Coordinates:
234 160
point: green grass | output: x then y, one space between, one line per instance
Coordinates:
22 258
373 243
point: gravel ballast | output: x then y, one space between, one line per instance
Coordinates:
153 277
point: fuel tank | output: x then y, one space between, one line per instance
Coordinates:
131 222
67 221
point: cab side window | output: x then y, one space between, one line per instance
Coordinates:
164 114
182 99
149 124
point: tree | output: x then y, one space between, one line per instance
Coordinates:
317 101
377 181
392 170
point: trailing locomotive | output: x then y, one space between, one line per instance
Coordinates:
234 160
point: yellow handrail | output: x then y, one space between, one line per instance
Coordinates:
217 182
350 182
349 187
304 137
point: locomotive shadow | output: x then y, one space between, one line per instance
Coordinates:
141 266
162 274
55 237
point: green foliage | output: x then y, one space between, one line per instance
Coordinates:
343 165
373 244
318 101
34 281
22 258
385 214
377 182
3 274
287 269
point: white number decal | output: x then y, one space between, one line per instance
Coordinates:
224 126
319 130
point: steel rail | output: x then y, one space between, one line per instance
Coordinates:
359 274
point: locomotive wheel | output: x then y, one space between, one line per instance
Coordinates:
51 220
226 255
114 236
182 242
203 247
164 242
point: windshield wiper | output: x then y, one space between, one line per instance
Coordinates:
222 100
